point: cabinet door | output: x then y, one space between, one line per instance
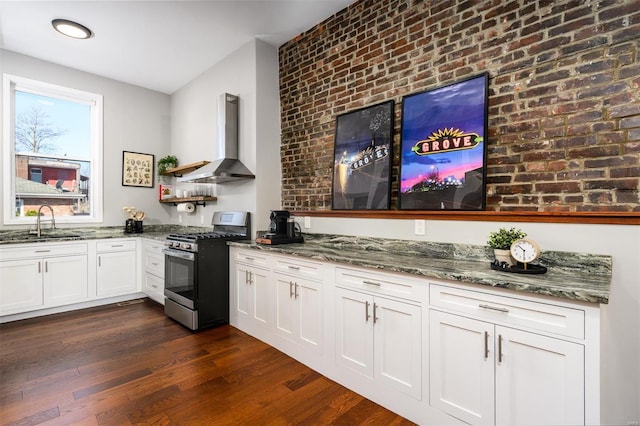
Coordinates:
250 296
461 367
299 311
65 280
539 379
309 312
20 285
354 334
286 306
397 342
116 273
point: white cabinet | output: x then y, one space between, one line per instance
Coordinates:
484 370
35 277
153 263
250 296
378 336
116 267
298 302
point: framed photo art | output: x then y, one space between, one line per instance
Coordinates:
443 148
137 169
362 158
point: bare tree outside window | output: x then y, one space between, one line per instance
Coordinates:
34 132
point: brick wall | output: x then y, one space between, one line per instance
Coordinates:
564 93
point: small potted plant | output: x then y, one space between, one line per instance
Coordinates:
166 163
500 241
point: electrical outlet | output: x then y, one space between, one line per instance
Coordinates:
307 222
420 227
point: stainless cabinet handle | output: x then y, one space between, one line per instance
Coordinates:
99 261
246 277
295 268
366 311
39 267
290 289
117 245
249 258
42 251
250 278
46 266
375 306
154 286
500 348
493 308
154 264
371 283
295 292
486 345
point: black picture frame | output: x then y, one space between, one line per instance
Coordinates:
137 169
363 154
443 147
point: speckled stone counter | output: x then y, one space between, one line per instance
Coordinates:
158 232
575 276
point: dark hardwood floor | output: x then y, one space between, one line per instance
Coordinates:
130 364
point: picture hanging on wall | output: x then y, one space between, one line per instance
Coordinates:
362 158
443 147
137 169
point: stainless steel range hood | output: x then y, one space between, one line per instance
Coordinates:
226 167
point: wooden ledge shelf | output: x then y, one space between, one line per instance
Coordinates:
610 218
187 168
198 201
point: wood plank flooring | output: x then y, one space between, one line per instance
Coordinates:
131 365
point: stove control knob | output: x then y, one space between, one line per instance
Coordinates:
186 246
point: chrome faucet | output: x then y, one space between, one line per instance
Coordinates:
38 231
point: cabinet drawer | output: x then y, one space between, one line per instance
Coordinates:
42 250
154 263
252 257
560 320
382 283
297 267
116 245
153 246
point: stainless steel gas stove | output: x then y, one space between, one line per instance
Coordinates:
197 271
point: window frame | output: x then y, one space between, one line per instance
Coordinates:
11 84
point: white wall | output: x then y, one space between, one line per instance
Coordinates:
251 73
620 327
135 119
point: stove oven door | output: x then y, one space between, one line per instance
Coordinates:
179 277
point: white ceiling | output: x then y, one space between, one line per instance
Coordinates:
160 45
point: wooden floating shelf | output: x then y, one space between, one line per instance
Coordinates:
199 200
187 168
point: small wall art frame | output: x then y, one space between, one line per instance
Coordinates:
137 169
363 158
443 150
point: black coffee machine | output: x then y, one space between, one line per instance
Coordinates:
278 225
282 229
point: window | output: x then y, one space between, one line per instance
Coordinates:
52 152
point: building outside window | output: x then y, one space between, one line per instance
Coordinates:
52 152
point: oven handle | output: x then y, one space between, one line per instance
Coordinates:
181 254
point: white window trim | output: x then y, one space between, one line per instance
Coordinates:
9 84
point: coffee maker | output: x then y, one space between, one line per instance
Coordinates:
278 225
282 229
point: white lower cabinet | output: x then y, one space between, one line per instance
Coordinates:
250 298
298 310
435 352
489 374
153 275
36 277
116 267
380 338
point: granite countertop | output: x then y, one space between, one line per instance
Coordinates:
574 276
157 232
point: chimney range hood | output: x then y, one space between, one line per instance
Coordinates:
226 167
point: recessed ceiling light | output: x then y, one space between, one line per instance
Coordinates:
71 29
